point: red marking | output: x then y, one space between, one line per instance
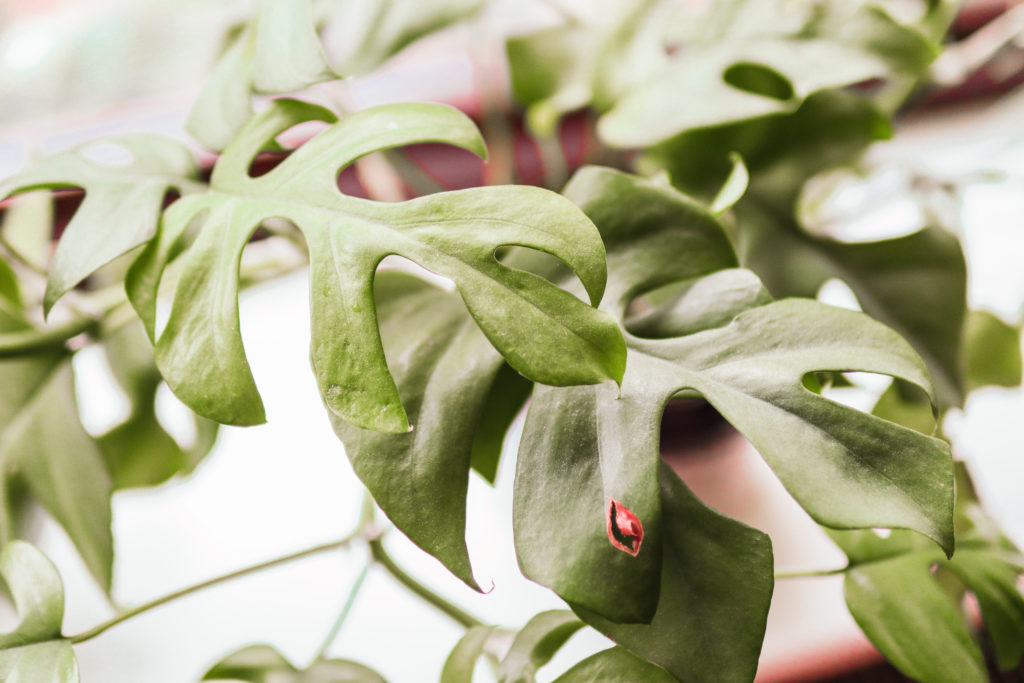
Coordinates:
625 531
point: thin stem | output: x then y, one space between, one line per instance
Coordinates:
18 343
345 609
170 597
812 572
381 557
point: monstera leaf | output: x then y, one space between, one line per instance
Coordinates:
35 651
615 664
542 331
766 69
45 450
121 207
894 590
264 664
587 483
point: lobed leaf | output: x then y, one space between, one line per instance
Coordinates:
121 207
542 331
35 651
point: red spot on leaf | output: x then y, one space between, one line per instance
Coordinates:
625 531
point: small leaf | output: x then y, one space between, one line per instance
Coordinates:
992 348
536 644
121 207
35 651
615 664
27 228
733 187
263 664
461 662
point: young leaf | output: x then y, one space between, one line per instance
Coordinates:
121 206
279 52
536 644
542 331
615 664
263 664
461 662
35 651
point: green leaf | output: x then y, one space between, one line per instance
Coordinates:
279 51
906 405
615 664
121 206
915 624
386 27
771 70
27 227
536 644
35 651
139 451
263 664
992 348
10 291
716 586
461 662
733 187
44 447
543 332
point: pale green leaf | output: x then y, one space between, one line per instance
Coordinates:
542 331
992 348
27 227
733 187
615 664
287 53
121 207
44 448
10 291
536 644
224 104
35 651
461 662
263 664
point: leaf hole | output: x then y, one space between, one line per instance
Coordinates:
544 265
625 531
759 80
106 153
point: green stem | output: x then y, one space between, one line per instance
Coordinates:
170 597
28 341
381 557
345 609
812 572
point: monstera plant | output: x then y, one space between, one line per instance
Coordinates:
688 272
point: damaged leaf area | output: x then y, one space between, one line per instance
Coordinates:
710 328
625 531
543 332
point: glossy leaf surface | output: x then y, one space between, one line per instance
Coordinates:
35 651
263 664
615 664
122 202
542 331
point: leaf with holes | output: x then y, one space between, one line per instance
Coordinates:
584 445
121 207
766 71
264 664
35 651
543 332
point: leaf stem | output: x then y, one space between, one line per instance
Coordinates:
19 343
812 572
170 597
381 557
345 609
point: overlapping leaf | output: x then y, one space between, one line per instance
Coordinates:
45 449
615 664
264 664
583 446
894 593
35 651
461 661
535 645
542 331
121 207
